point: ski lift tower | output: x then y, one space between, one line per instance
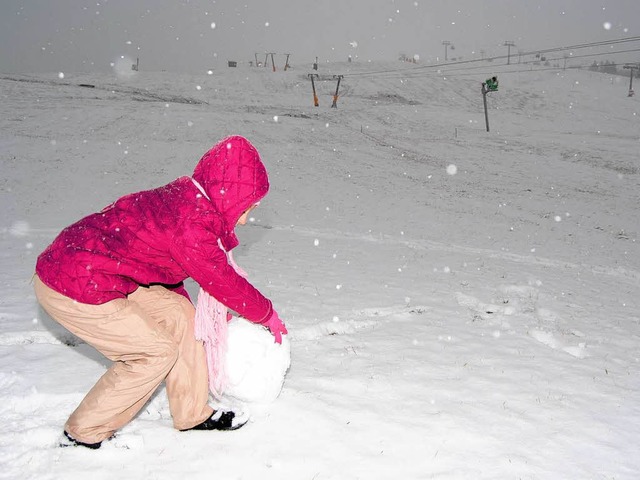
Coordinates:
632 67
446 44
509 44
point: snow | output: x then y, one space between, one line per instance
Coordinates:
256 365
442 322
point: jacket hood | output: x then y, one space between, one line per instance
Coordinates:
234 178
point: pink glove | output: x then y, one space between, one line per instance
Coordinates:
276 327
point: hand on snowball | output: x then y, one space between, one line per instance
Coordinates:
276 327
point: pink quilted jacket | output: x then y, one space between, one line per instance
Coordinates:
165 235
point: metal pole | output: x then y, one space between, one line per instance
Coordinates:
484 99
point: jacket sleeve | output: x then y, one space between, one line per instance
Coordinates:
199 255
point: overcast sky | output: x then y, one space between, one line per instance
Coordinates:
196 35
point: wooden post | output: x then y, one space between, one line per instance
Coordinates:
335 97
273 63
313 87
286 63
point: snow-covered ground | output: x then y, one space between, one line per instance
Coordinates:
461 304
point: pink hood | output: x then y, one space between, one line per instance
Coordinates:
165 235
234 179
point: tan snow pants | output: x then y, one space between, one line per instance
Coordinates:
149 337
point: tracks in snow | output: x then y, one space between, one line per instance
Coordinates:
630 275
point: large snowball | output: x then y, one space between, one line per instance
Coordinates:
256 365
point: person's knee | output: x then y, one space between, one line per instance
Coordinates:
164 352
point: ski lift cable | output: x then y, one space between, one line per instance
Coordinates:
466 62
458 70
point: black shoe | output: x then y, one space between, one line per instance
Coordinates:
220 420
72 442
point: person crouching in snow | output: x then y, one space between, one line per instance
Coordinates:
114 279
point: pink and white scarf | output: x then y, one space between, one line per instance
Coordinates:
211 327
